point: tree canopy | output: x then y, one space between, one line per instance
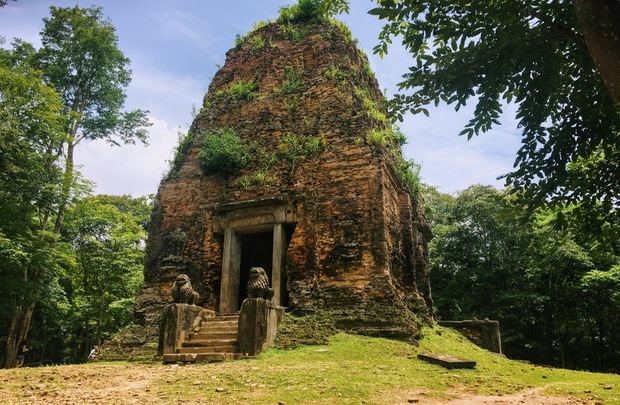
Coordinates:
81 59
557 298
30 127
557 61
107 236
70 90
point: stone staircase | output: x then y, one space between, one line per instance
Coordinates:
214 340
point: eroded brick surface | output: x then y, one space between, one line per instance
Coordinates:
358 247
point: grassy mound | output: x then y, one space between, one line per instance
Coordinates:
350 369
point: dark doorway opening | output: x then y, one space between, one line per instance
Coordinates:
256 251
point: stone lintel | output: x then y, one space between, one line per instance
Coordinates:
255 215
254 202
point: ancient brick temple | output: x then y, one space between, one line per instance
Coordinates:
318 200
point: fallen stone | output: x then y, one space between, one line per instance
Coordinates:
446 360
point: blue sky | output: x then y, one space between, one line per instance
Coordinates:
175 48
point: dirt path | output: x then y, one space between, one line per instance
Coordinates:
109 384
533 396
100 385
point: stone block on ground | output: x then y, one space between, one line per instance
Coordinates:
446 360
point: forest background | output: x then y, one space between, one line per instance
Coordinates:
540 256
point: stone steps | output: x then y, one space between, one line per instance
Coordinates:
208 346
215 334
215 340
200 357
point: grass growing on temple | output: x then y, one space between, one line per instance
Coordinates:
348 370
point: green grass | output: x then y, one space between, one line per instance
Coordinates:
351 369
355 368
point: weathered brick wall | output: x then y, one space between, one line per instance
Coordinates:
357 248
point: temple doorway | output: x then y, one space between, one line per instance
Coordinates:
256 251
256 234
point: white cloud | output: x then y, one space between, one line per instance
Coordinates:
452 162
182 26
165 94
129 169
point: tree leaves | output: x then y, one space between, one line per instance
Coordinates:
530 53
551 289
81 58
51 99
107 235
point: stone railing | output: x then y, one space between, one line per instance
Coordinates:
177 321
484 333
258 324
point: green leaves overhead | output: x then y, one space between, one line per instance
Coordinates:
529 53
70 90
30 132
107 235
81 58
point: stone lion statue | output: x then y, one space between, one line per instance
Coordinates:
258 284
182 291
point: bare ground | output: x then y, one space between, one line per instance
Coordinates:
140 384
532 396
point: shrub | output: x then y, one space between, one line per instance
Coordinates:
185 141
223 152
257 42
260 24
387 137
293 32
294 149
245 182
378 138
370 106
342 27
292 104
240 90
312 11
292 80
333 72
304 10
409 173
239 40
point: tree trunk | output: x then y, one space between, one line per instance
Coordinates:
18 329
559 337
67 185
600 24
